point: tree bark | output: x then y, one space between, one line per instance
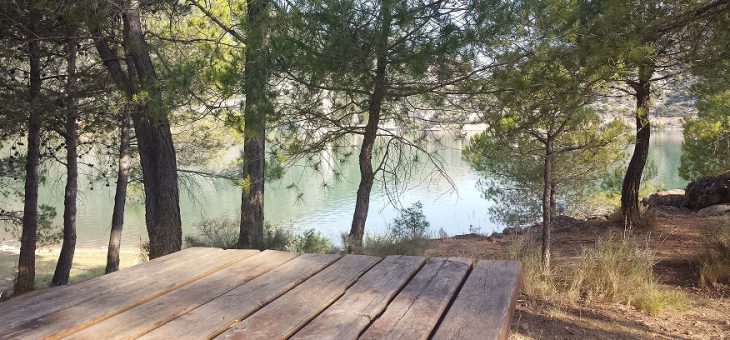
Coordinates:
632 179
367 174
257 105
120 196
65 259
25 280
546 205
156 150
553 198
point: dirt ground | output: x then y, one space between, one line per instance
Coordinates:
678 242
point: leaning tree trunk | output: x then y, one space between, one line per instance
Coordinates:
156 150
120 196
25 280
632 180
65 259
367 174
546 205
255 80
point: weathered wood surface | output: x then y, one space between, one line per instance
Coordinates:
146 317
54 299
206 293
417 309
154 284
217 315
284 316
364 301
483 309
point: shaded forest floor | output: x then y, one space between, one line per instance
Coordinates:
678 242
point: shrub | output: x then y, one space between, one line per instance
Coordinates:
217 233
407 235
716 262
223 233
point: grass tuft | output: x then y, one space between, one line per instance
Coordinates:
716 262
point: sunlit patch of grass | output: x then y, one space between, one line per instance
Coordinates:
657 300
88 263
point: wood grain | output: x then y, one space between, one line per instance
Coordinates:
87 313
50 300
414 313
483 309
154 313
365 300
217 315
287 314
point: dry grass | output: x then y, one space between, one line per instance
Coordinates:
716 262
611 271
88 264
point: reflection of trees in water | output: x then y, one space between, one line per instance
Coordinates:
666 152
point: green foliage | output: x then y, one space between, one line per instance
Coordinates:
223 233
706 147
606 196
512 166
409 234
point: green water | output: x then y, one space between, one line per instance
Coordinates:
451 208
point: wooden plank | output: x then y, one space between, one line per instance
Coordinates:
45 302
154 313
414 313
89 312
364 301
286 315
484 306
217 315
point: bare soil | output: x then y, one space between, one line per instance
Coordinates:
679 243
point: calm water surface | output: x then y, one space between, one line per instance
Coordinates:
454 209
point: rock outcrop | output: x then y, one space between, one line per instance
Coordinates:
715 210
708 191
671 198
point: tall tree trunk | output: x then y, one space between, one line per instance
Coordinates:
553 198
120 196
632 180
257 106
156 150
546 205
65 259
367 174
26 263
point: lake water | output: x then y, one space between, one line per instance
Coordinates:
451 208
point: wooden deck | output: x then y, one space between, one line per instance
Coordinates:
206 293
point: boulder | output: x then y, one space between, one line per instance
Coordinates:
671 198
715 210
708 191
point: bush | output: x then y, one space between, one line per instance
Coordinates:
716 263
407 235
220 233
224 233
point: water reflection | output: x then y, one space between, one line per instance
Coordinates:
327 210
